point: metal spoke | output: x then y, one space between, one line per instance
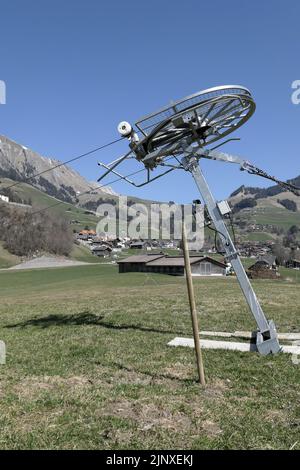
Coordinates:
208 112
228 112
221 111
230 119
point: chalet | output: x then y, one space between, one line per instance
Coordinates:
138 245
174 265
136 263
82 236
102 251
86 234
293 263
264 262
264 267
98 242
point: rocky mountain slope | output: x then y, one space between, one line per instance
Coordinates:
18 163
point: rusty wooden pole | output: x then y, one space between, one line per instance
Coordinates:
190 288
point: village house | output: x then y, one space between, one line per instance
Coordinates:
174 265
264 267
293 263
140 245
86 235
136 263
4 198
101 251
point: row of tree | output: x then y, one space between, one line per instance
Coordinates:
25 232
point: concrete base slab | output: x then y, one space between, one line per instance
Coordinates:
2 352
249 335
227 345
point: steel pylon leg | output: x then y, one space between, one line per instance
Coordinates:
266 338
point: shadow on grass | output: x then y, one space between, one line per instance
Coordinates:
84 318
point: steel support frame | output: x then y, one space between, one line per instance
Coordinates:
266 336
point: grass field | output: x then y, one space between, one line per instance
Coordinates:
258 236
273 216
88 364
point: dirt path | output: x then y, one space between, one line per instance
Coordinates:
48 262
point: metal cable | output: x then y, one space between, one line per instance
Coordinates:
253 170
28 178
232 227
87 192
93 189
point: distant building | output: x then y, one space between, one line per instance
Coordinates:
139 245
97 243
174 265
264 268
269 260
86 234
4 198
293 263
136 263
101 251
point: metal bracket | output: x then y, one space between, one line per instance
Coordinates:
268 344
232 256
125 178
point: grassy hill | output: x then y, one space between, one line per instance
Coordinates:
41 200
267 211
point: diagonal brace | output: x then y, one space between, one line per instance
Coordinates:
266 340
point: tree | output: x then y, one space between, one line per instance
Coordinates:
288 204
293 230
25 232
244 203
282 254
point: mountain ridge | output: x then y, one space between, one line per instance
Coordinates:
19 163
264 192
271 206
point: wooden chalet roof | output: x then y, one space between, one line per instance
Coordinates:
172 261
141 258
179 261
163 260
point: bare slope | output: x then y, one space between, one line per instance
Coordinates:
17 162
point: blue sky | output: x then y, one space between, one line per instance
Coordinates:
74 69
